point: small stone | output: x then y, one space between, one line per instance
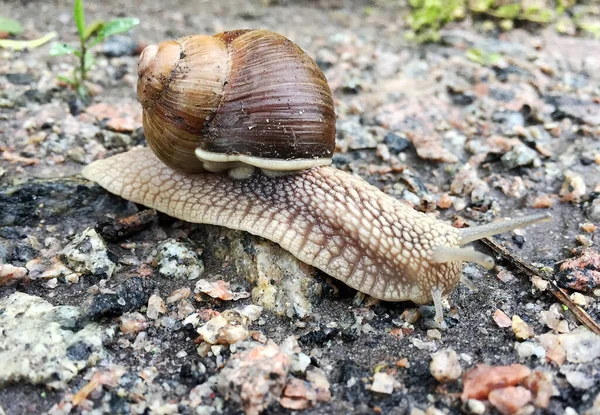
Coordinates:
254 378
383 152
178 295
474 407
383 383
219 289
480 380
584 241
573 188
411 315
444 202
579 379
396 143
87 253
10 274
178 261
588 227
133 323
117 46
445 366
501 319
541 386
156 307
298 395
320 384
434 334
521 329
539 283
133 293
579 299
504 275
520 156
509 400
542 201
581 273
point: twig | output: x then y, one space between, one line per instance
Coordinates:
580 314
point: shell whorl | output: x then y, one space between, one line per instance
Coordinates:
251 93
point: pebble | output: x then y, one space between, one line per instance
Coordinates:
581 273
521 329
383 383
298 395
579 379
579 299
482 379
132 294
520 156
542 201
87 253
44 344
473 407
573 187
117 46
501 319
177 260
509 400
255 378
178 295
541 386
133 323
396 143
156 307
445 366
10 274
588 227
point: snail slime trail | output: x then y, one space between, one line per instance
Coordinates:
200 167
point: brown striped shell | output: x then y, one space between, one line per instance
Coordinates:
242 97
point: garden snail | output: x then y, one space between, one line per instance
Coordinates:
325 217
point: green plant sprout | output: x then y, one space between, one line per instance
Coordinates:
89 36
427 17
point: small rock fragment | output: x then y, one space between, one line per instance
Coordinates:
480 380
229 327
474 407
509 400
579 299
445 366
119 229
178 261
156 307
10 274
588 227
581 273
411 315
501 319
573 188
521 329
541 386
130 295
178 295
255 378
319 383
298 395
133 323
383 383
87 253
579 379
542 202
520 156
35 347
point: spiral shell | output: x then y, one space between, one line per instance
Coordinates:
246 96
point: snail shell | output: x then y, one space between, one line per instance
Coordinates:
247 97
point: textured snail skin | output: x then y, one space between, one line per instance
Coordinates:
325 217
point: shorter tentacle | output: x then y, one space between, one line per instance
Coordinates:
443 254
436 295
469 284
479 232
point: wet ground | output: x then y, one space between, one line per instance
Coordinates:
465 141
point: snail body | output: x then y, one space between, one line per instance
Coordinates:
325 217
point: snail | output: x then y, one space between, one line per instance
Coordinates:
271 105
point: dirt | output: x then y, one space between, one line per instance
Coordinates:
522 126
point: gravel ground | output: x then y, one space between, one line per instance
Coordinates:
116 323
